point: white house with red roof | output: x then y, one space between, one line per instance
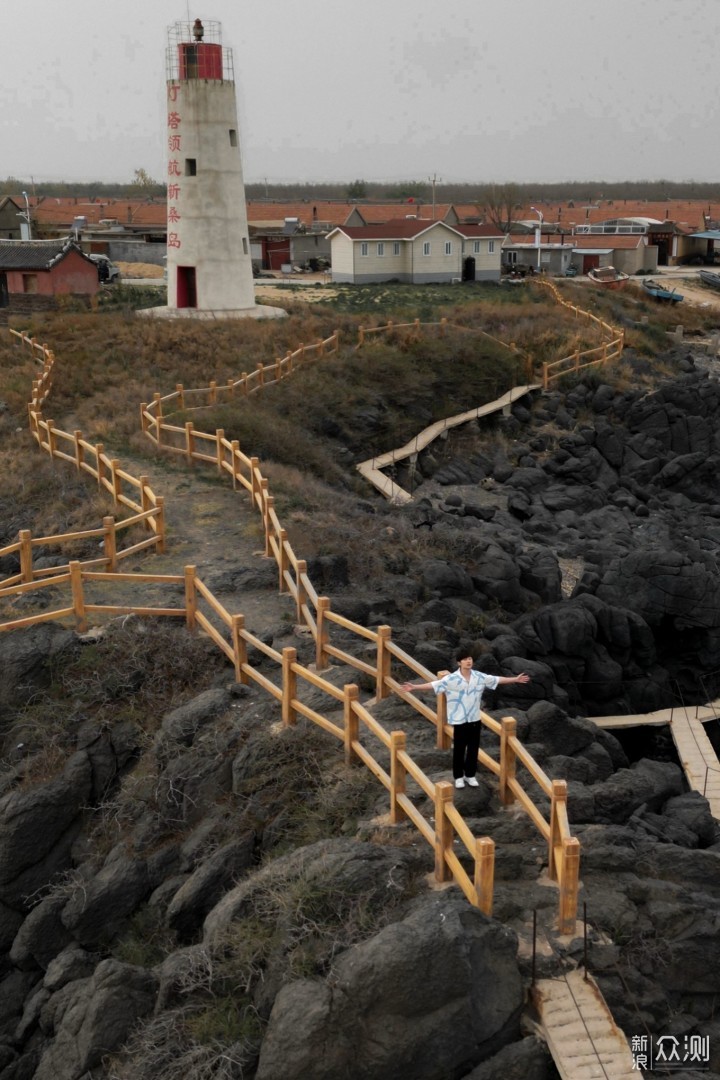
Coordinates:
415 250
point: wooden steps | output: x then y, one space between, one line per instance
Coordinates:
575 1021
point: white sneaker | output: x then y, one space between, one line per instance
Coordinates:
471 781
459 782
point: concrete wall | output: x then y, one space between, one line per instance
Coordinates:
137 251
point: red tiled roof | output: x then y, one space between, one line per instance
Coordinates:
478 230
685 212
401 229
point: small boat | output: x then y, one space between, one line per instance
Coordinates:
607 276
708 278
672 296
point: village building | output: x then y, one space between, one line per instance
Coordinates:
34 273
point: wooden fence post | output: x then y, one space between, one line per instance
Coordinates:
301 599
558 797
77 436
99 450
115 481
289 687
254 485
569 885
51 439
189 442
322 661
180 391
158 418
361 336
268 503
350 722
234 454
26 559
382 674
397 776
110 543
244 380
160 523
143 417
213 392
260 368
239 649
283 561
545 378
507 759
219 440
78 597
443 829
190 597
485 873
442 739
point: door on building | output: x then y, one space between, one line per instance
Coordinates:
186 287
468 270
590 262
4 295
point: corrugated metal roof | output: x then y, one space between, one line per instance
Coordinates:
710 234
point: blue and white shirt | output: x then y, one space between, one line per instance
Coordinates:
464 696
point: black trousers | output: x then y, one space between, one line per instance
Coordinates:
466 743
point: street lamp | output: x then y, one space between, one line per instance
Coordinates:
538 233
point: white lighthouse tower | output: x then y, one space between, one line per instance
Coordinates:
208 247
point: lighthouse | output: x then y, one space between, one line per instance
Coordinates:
209 268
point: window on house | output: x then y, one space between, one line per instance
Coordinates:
363 248
233 136
512 257
381 249
448 247
426 247
491 246
476 247
190 166
245 246
30 283
396 248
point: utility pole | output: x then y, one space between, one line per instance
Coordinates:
433 180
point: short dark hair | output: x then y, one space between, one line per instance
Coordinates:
460 654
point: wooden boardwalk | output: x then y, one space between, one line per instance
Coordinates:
372 468
696 752
575 1021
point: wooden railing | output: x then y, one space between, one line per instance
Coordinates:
610 349
313 611
127 491
202 610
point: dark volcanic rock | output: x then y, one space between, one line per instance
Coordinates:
428 996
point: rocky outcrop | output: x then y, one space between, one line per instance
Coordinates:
429 996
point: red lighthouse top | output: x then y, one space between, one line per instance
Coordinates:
195 51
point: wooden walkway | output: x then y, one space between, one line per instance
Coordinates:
575 1021
372 468
696 752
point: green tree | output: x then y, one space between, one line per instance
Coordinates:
357 190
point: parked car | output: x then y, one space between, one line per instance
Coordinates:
571 271
107 271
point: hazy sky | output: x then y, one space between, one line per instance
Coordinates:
468 90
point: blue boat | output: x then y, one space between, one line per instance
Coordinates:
672 296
